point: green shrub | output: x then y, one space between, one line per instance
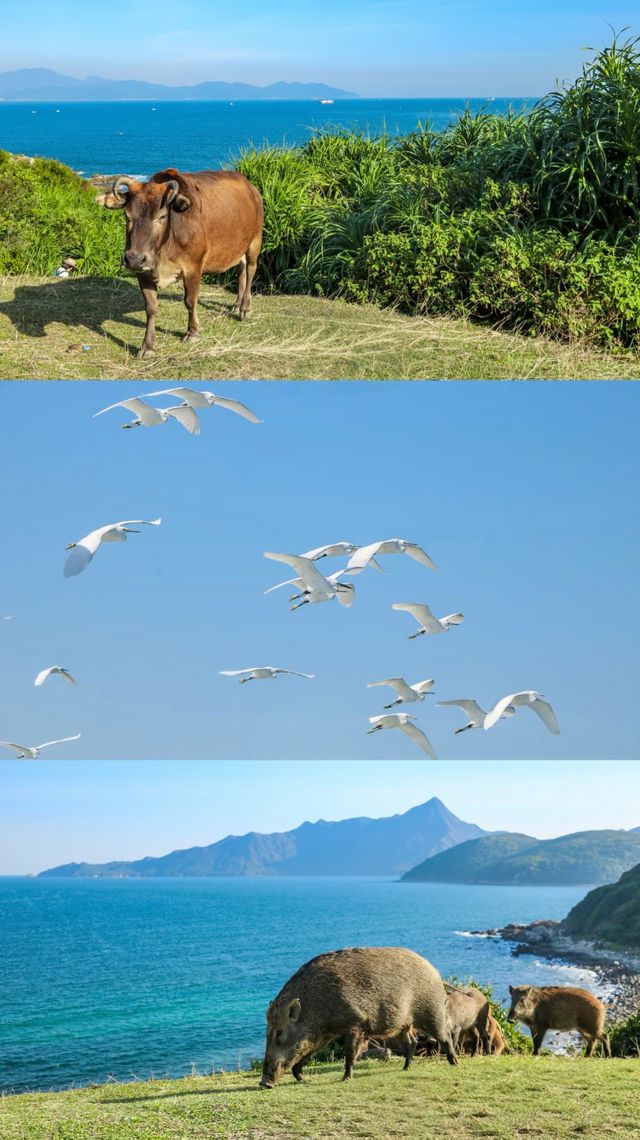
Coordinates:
625 1037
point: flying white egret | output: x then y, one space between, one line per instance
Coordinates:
405 723
146 416
365 554
313 585
84 550
406 693
262 673
58 670
193 399
426 620
475 713
529 699
25 752
331 550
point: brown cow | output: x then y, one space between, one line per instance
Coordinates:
180 226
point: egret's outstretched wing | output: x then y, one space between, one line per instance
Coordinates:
147 415
58 670
235 672
64 740
289 582
362 557
421 613
237 407
417 735
185 416
420 555
331 550
398 684
81 555
20 748
423 686
547 715
494 714
346 596
453 619
294 673
304 568
472 709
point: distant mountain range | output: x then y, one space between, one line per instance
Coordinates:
359 846
609 914
42 85
519 860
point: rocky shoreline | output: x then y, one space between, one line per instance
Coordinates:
617 972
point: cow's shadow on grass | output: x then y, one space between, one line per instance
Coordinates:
93 303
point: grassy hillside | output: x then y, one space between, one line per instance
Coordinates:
44 325
609 914
585 857
501 1098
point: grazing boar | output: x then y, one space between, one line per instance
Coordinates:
497 1043
559 1007
353 995
468 1013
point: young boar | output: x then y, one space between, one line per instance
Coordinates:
559 1007
468 1012
497 1043
351 996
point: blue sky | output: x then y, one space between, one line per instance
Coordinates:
524 494
59 812
375 47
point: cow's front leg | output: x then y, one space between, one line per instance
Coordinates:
191 293
149 291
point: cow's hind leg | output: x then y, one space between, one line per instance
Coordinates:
149 291
242 284
251 259
191 293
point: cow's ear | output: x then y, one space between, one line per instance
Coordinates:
176 198
110 201
181 203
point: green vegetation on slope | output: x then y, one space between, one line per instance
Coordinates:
609 914
529 221
585 857
501 1098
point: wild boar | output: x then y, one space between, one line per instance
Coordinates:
353 995
559 1007
497 1043
468 1012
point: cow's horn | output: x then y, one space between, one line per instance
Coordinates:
119 181
174 187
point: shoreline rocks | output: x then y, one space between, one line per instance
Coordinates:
618 972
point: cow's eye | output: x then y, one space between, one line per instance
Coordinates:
162 217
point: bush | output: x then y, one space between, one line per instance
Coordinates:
625 1037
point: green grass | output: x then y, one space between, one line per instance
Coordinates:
44 323
501 1098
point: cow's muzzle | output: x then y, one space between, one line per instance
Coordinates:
134 261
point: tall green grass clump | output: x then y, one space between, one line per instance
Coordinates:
48 213
625 1037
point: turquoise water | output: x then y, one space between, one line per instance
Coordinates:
139 138
110 978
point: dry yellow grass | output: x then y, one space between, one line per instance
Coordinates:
45 325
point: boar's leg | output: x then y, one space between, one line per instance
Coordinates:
149 291
352 1044
538 1037
408 1042
606 1044
448 1047
296 1070
591 1044
191 293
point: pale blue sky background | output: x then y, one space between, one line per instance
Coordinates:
58 812
525 495
375 47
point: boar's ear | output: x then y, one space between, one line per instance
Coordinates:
294 1009
511 990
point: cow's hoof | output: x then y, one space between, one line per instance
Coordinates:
189 337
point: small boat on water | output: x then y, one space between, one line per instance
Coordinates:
326 102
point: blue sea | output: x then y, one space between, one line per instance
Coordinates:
139 138
114 978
